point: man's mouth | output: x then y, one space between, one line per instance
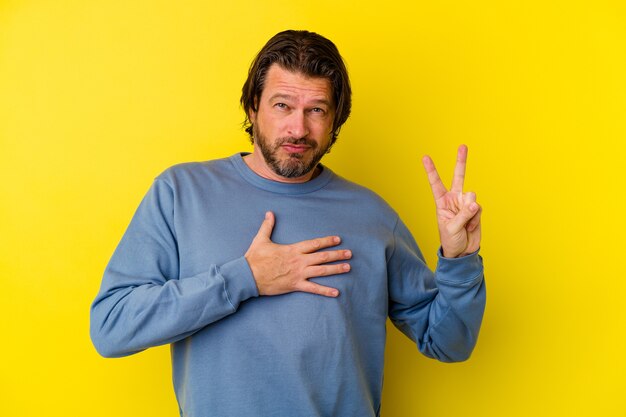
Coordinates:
293 148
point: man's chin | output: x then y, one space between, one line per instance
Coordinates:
293 168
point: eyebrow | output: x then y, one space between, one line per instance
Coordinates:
290 97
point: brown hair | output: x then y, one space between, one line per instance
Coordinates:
305 52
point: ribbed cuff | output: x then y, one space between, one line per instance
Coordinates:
465 269
239 282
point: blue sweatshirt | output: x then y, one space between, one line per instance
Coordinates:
179 276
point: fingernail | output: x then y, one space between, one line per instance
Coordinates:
334 293
347 254
336 239
267 215
346 267
473 206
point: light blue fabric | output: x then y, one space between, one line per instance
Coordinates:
179 276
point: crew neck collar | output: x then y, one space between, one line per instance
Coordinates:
280 187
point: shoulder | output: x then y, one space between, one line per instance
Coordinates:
365 198
193 172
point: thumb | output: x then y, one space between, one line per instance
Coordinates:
468 211
265 231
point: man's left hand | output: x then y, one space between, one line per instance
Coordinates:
458 213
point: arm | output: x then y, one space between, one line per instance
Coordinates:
143 302
441 312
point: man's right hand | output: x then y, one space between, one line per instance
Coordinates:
280 269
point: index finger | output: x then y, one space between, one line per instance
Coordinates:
436 185
459 170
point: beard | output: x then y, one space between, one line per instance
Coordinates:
295 164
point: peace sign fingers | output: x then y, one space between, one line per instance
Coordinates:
458 213
439 190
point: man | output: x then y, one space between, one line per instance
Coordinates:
287 319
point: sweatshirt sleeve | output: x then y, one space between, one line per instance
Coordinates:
441 312
143 302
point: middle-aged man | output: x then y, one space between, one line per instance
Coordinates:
287 319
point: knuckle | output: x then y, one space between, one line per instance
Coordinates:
319 271
299 287
307 286
296 285
318 289
331 241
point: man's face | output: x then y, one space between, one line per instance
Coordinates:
293 123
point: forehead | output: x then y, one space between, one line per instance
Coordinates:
279 81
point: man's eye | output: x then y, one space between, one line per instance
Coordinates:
317 110
280 105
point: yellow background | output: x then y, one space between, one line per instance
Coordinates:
98 97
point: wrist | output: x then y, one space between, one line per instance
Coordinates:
450 255
447 255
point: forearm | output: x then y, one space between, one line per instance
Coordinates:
456 313
442 311
131 314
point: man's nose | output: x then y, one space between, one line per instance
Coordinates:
297 126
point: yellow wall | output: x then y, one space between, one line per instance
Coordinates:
98 97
